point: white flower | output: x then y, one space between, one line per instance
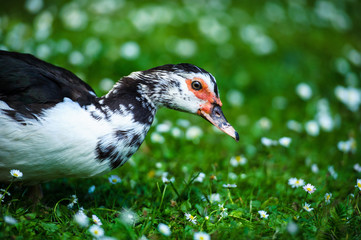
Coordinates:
156 138
309 188
200 177
347 146
183 123
222 208
350 96
114 179
285 141
164 127
206 218
129 50
191 218
295 183
304 91
358 184
314 168
96 220
96 231
2 196
128 217
91 189
292 227
263 214
265 123
312 128
268 142
176 132
81 219
143 238
165 178
328 197
201 236
10 220
229 185
294 125
357 167
164 229
194 133
307 207
73 200
344 146
332 171
16 173
238 160
215 197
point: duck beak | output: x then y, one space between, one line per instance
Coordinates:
217 118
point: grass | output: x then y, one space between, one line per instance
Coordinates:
320 51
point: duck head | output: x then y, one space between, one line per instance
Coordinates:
187 88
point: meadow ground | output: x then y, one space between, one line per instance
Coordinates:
289 76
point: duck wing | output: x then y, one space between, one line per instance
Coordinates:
29 85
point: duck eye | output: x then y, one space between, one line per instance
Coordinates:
196 85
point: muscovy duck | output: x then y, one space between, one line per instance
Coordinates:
53 125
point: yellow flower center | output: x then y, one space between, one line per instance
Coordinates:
96 232
297 182
201 238
16 175
114 180
263 215
307 208
191 217
238 158
328 197
309 189
359 184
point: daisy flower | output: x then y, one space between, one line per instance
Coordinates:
16 173
201 236
358 184
114 179
268 142
200 177
229 185
285 141
222 208
191 218
263 214
328 197
10 220
312 128
309 188
96 231
206 218
164 229
304 91
295 183
238 160
128 216
96 220
357 167
165 178
73 200
307 207
81 219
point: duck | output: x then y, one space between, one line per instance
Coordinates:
53 125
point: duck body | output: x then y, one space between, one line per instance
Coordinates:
53 125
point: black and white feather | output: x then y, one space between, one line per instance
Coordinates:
53 124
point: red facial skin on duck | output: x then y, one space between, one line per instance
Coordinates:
204 94
211 109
